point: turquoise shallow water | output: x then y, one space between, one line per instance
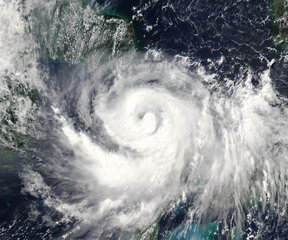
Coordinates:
87 82
194 232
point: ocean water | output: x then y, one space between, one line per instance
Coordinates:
142 120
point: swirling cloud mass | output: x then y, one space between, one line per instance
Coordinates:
171 137
133 136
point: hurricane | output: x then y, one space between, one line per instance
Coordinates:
104 138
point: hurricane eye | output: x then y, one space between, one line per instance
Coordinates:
143 119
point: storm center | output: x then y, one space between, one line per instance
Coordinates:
148 123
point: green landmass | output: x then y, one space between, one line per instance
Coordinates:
279 13
18 104
72 30
149 233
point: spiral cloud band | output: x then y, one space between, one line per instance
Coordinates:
171 137
113 143
156 131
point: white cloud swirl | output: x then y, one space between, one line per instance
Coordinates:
175 137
